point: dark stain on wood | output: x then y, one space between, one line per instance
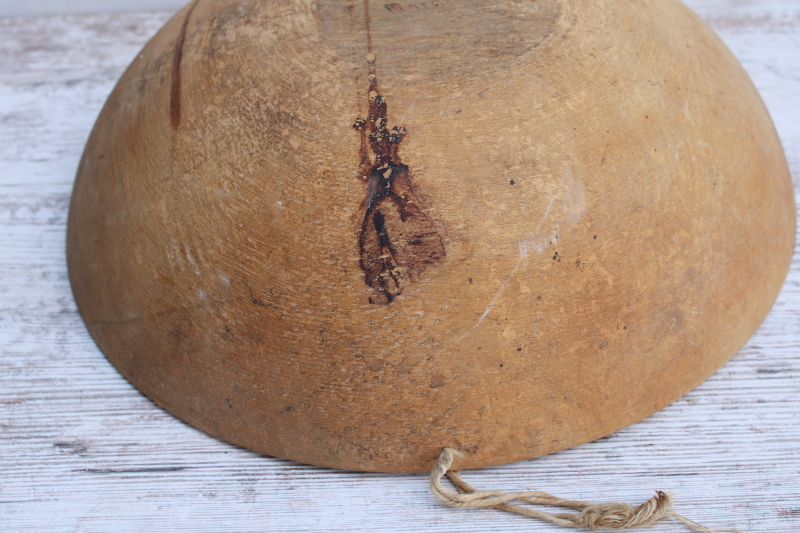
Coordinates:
177 58
398 241
258 301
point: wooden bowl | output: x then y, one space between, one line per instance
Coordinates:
350 233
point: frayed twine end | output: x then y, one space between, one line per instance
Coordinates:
592 515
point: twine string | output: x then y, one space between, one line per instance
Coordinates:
592 515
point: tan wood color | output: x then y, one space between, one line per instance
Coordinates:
353 233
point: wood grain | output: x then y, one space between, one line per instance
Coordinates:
81 450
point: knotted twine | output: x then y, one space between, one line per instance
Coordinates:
593 515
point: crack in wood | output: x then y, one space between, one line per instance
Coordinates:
177 59
398 241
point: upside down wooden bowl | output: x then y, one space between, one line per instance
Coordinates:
350 233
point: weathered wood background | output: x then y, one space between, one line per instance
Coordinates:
82 451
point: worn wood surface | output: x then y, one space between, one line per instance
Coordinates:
276 235
81 450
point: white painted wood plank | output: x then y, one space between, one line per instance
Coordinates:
81 450
15 8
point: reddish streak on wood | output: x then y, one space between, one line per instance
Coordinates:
175 92
367 24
